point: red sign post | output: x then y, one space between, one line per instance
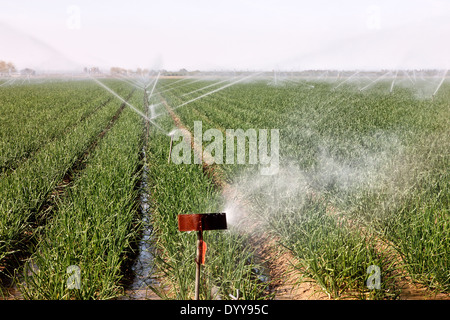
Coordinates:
201 222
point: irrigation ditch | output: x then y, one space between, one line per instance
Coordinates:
11 274
138 270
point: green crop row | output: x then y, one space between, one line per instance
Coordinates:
95 223
25 190
33 115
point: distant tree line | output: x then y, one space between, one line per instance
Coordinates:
143 72
7 67
93 70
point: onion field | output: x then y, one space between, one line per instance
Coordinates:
357 207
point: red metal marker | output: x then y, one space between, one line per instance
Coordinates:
201 222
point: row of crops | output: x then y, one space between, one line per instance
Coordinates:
363 181
70 199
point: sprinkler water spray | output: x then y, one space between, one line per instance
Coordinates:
345 80
206 94
208 86
217 90
154 85
129 105
201 222
439 85
393 81
374 81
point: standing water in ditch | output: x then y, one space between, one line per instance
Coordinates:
143 265
142 268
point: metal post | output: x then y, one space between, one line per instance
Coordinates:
198 262
200 222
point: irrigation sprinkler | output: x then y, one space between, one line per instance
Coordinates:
201 222
129 105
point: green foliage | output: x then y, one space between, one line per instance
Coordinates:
370 155
184 189
371 168
94 225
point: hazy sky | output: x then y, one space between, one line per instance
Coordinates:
232 34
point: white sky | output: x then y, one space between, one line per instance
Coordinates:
232 34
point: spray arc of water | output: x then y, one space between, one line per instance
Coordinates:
154 85
374 81
129 105
217 90
207 94
440 83
209 86
393 81
186 84
346 80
